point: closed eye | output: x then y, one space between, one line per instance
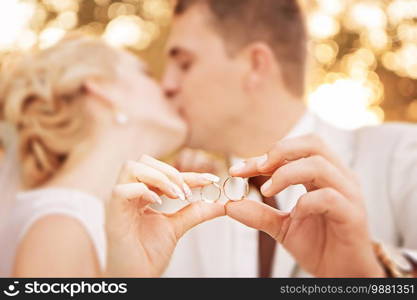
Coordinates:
185 66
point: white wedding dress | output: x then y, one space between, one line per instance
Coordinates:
31 206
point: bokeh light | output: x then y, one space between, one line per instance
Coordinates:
363 51
129 31
15 16
339 101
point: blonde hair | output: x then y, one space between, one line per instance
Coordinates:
42 95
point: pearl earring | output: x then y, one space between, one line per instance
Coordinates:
121 118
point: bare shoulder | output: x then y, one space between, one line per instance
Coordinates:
56 246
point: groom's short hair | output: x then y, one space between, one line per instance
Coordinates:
279 23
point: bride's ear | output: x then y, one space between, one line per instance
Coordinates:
102 91
106 94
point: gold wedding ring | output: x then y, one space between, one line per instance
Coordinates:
232 198
204 189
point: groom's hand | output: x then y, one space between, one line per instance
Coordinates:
327 231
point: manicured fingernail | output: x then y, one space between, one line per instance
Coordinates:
156 199
210 177
265 189
187 191
262 161
177 191
237 167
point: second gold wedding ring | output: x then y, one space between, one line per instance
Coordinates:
228 189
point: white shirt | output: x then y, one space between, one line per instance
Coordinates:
34 205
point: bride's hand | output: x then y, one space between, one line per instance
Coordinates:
141 240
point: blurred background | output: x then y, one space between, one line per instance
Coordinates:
363 66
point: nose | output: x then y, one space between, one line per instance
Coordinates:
170 92
170 84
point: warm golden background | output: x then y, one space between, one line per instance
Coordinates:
363 52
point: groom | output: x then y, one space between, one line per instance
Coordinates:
236 69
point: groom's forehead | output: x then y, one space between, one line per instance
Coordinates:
190 33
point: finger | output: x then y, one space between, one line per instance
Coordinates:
203 162
314 170
135 191
328 202
178 161
195 214
185 160
173 174
245 169
297 148
154 179
259 216
195 180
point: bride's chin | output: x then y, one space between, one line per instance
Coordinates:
168 138
178 132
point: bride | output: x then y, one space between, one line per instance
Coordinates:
80 112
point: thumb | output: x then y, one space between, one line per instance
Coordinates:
195 214
259 216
